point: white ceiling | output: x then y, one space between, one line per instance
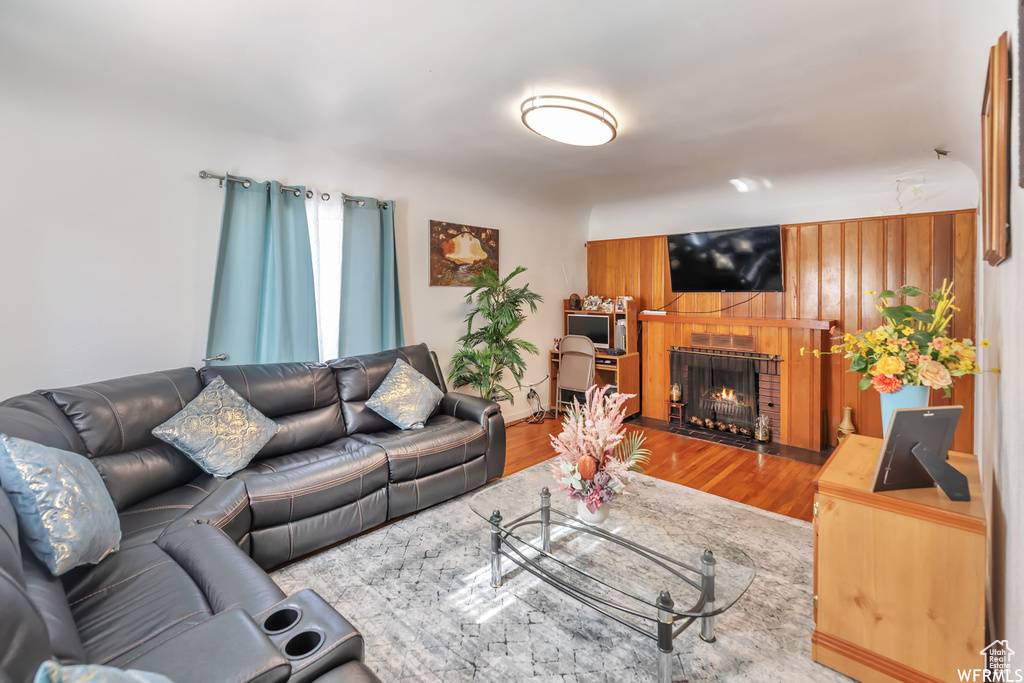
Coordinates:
704 90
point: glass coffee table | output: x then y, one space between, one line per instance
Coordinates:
646 570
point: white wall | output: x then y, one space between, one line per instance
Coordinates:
1001 437
108 241
931 184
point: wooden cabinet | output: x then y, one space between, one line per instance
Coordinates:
899 577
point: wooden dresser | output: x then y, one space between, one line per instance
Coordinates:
899 577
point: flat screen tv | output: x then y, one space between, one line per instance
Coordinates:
744 260
597 327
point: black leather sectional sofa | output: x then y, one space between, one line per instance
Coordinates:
187 595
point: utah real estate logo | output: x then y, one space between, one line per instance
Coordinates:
997 666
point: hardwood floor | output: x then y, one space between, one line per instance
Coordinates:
764 481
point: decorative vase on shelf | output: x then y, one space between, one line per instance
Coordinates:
675 393
846 426
592 518
906 397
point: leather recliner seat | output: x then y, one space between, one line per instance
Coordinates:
333 470
460 448
150 605
311 485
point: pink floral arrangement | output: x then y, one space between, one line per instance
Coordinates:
595 455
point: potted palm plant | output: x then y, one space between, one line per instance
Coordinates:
491 350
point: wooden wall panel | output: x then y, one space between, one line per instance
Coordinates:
828 266
852 293
830 307
874 262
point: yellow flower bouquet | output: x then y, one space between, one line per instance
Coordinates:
911 347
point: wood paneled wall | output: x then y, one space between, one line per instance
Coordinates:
828 267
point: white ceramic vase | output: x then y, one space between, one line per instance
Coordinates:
588 517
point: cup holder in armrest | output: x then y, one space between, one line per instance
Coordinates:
282 620
303 644
312 636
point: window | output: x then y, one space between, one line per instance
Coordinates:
324 217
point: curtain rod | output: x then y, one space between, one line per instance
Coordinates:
206 175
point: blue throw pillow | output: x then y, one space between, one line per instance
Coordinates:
218 430
52 672
65 513
405 397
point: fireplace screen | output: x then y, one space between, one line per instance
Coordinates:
717 388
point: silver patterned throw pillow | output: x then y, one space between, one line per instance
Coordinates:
405 397
51 671
65 513
218 430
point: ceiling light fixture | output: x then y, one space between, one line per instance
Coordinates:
569 120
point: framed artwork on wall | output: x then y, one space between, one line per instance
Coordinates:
457 252
995 162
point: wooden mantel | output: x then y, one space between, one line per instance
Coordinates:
788 323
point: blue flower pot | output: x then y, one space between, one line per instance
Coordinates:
907 397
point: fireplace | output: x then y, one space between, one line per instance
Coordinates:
726 390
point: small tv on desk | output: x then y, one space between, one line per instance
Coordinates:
597 327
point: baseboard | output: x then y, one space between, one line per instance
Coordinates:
862 664
515 416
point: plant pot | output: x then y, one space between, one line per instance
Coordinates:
588 517
906 397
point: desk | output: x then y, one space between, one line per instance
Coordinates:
622 371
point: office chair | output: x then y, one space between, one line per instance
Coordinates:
576 368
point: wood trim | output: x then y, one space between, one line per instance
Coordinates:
903 507
786 323
861 219
995 147
890 668
850 472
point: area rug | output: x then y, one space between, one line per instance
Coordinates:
418 590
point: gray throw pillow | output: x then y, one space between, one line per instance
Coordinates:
52 672
218 430
405 397
65 513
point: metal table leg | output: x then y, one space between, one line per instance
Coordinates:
545 519
665 619
707 577
495 549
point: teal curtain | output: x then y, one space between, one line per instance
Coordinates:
371 312
264 306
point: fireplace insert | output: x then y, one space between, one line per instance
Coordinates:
720 389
